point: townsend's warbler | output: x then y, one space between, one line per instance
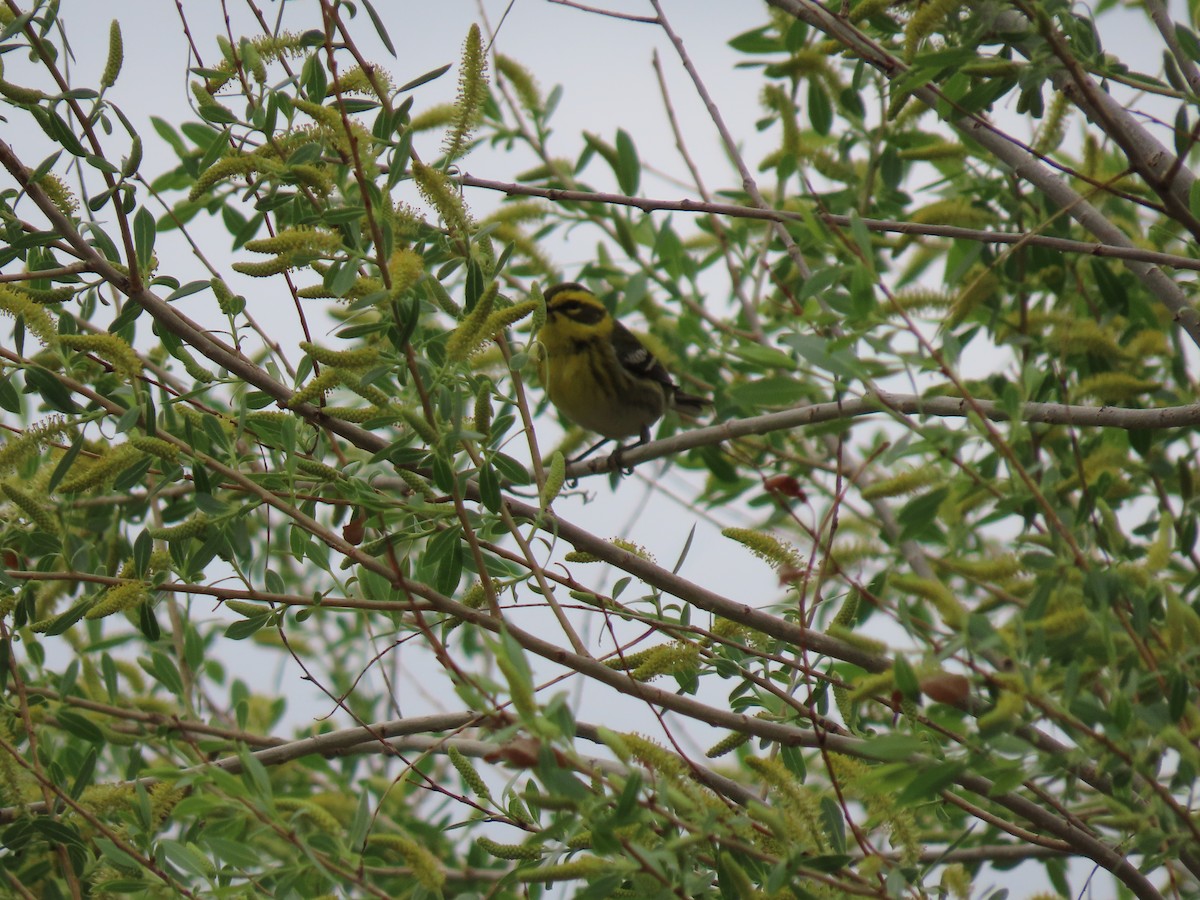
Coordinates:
599 375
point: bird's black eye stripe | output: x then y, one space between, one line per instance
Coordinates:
584 313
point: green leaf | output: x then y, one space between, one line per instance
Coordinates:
65 463
70 617
771 392
835 823
489 488
244 628
820 109
906 678
759 40
192 287
10 399
511 469
426 78
1188 41
379 27
764 357
50 389
73 723
930 782
442 560
144 232
186 858
892 747
629 168
818 352
163 669
920 512
357 835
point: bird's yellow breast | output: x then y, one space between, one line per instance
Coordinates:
591 388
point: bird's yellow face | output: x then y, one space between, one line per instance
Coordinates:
574 317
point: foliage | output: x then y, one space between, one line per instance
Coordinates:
952 366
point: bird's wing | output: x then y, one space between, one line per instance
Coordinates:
639 361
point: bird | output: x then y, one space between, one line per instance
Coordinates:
600 376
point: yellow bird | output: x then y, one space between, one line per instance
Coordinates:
599 375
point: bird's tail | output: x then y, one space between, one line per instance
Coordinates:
689 405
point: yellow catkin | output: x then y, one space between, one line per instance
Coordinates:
368 392
526 852
437 116
1053 128
318 469
555 476
522 81
581 867
38 322
630 547
358 415
923 22
799 807
358 80
956 881
468 336
426 868
764 546
1063 623
680 657
1113 387
111 348
116 55
23 96
979 286
539 312
934 151
265 269
482 415
111 461
470 776
727 744
195 526
246 609
472 91
229 303
1005 713
321 817
581 556
155 447
405 268
953 613
439 296
17 449
221 170
415 482
905 482
991 567
442 194
418 423
842 633
359 358
872 685
315 388
298 240
117 599
48 295
37 512
503 318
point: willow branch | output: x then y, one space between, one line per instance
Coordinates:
954 232
882 402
